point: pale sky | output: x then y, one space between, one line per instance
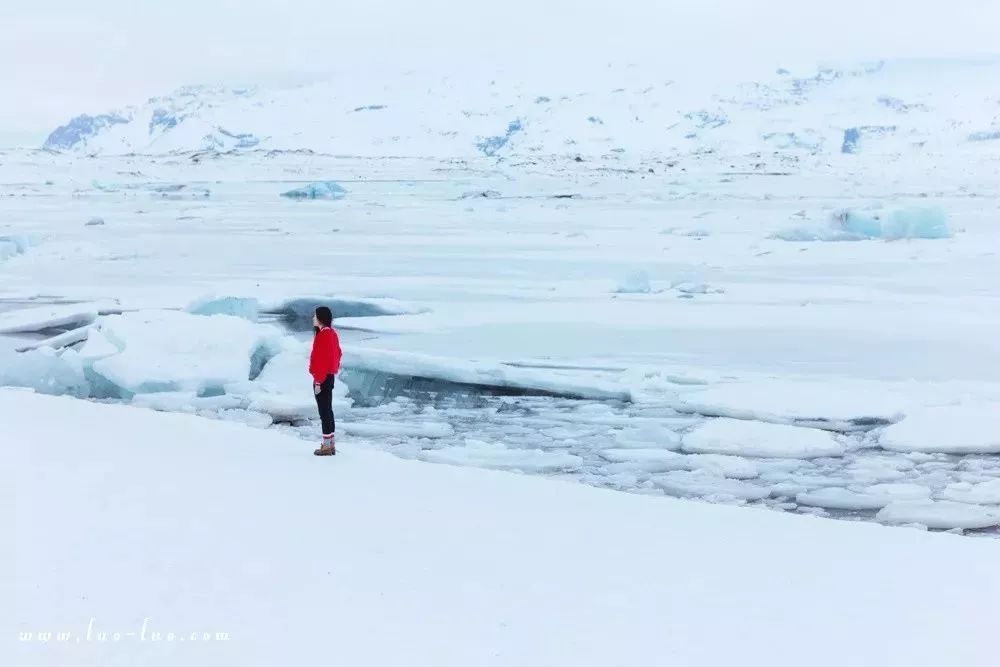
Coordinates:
66 57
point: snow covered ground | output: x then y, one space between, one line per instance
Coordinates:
206 543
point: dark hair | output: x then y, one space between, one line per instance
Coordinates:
325 316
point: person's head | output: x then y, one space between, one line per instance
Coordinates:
323 317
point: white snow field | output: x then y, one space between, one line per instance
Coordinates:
250 551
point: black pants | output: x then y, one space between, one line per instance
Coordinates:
324 401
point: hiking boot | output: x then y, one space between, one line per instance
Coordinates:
328 448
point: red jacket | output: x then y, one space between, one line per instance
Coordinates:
326 354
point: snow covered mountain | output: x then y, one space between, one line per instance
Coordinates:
929 106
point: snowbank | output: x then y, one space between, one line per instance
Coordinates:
972 428
458 566
748 438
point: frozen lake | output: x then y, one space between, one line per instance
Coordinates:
629 325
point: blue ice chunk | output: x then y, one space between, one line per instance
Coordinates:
15 244
914 222
859 225
490 145
46 371
79 129
244 307
319 190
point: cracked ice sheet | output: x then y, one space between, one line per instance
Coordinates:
582 385
40 318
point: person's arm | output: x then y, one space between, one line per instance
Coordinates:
338 353
319 359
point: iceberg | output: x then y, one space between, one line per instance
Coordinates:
940 514
319 190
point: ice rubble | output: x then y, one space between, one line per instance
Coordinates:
759 439
968 428
172 351
940 514
318 190
863 224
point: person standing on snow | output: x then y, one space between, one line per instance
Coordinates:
324 364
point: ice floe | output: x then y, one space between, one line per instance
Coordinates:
940 514
970 428
750 438
871 498
495 455
843 406
982 493
700 483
